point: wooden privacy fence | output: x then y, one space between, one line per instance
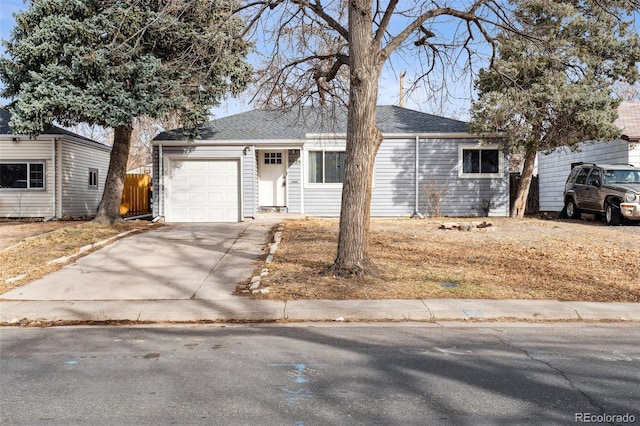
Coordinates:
136 196
534 194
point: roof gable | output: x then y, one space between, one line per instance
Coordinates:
295 124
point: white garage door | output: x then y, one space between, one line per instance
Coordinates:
203 191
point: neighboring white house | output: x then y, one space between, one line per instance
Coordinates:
147 169
54 175
266 160
554 168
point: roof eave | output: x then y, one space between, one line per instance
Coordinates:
49 136
209 142
439 135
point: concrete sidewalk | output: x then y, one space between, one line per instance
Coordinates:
187 273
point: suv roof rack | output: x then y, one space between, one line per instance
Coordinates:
581 163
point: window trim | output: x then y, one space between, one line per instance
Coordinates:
95 186
28 163
308 168
480 147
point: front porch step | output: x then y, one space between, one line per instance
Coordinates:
272 209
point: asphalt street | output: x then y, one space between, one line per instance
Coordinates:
322 374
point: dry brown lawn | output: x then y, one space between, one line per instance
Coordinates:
26 248
512 259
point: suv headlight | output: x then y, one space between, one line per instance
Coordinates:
631 197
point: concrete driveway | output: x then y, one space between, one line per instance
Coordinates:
173 262
188 272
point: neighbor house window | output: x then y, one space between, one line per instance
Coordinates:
22 175
93 178
476 161
326 166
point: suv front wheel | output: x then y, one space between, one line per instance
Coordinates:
572 210
612 215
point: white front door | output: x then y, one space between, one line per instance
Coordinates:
272 188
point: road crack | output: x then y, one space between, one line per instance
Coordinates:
592 402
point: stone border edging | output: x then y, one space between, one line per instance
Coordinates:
81 251
256 281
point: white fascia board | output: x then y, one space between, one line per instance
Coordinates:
46 137
458 135
252 142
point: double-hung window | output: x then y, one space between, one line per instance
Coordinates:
22 175
477 161
326 166
93 179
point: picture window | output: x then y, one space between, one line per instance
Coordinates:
326 166
22 175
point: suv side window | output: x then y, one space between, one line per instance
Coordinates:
582 176
594 177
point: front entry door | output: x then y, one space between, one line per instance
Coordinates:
272 189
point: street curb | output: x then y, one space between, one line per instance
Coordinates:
239 310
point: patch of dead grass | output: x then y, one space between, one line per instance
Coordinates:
514 259
28 258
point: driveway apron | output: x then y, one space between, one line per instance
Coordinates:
202 261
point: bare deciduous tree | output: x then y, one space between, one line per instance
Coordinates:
319 54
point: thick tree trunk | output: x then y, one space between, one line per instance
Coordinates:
363 140
109 208
520 204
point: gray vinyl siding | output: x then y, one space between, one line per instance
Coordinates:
634 154
439 162
73 160
249 171
250 180
554 168
394 190
322 202
76 159
294 182
27 203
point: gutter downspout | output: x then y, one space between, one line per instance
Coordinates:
54 184
302 179
416 212
161 181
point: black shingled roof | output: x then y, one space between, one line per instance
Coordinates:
5 129
275 124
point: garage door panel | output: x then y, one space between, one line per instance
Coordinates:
203 191
196 181
217 182
196 199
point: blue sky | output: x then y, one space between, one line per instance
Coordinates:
455 106
389 83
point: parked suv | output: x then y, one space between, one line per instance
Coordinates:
604 189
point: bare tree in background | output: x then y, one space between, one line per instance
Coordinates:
144 130
628 92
